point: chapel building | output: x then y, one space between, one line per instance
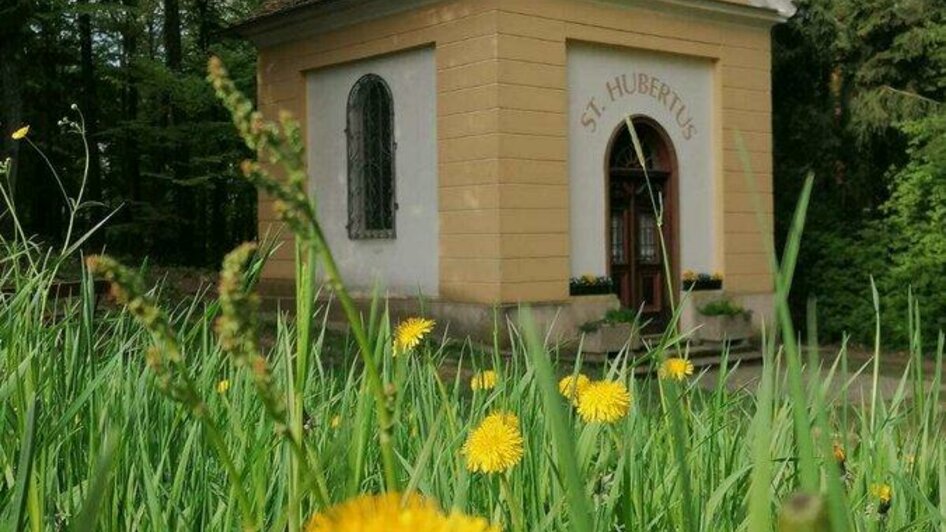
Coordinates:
475 155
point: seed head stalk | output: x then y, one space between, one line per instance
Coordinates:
166 360
281 145
238 330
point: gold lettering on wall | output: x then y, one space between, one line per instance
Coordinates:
643 84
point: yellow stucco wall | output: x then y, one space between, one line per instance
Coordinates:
502 129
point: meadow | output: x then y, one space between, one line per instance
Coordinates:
140 413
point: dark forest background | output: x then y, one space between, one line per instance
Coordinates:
858 91
163 150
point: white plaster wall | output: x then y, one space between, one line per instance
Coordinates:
408 264
593 117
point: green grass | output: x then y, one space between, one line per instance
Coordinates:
86 437
111 418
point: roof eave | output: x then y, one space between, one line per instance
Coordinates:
254 29
260 24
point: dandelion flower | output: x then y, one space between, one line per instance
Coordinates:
495 445
677 369
572 386
604 401
839 455
336 422
882 492
223 386
884 495
485 380
21 133
391 513
410 332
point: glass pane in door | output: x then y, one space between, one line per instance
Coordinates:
617 238
647 238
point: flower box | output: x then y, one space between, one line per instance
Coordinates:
590 285
589 290
610 338
702 284
725 327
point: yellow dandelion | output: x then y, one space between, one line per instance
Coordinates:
410 332
572 386
676 369
21 133
882 492
604 401
485 380
336 422
495 445
223 386
884 495
392 513
839 455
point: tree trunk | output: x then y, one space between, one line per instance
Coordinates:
214 226
131 157
89 107
206 23
172 34
175 160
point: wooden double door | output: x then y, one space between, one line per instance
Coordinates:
637 261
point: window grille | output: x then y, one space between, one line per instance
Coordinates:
617 238
371 146
647 238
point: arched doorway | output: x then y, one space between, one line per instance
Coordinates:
636 260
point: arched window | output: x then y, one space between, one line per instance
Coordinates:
624 156
371 146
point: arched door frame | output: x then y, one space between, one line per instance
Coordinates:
671 195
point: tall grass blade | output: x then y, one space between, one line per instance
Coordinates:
579 508
760 480
24 468
88 516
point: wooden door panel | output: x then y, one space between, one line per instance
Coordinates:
639 188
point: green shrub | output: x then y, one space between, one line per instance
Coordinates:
611 317
901 248
722 307
622 315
